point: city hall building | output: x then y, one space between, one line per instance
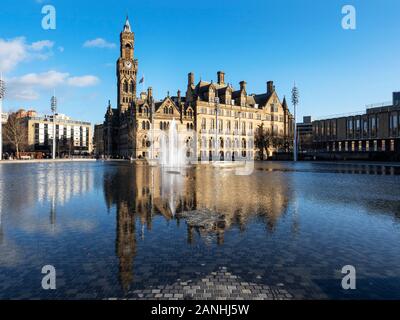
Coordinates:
372 135
214 121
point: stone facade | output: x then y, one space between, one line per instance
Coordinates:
214 121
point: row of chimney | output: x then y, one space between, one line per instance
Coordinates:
221 81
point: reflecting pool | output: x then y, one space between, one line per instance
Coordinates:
116 229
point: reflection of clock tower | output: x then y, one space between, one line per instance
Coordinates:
126 68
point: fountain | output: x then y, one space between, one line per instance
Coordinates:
172 149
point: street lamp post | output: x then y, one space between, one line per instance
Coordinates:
2 93
152 127
54 110
295 101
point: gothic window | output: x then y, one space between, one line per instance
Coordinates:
144 142
210 143
148 125
165 110
161 126
243 147
125 86
131 87
171 110
143 125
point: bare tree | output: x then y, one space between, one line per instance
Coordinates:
16 133
262 140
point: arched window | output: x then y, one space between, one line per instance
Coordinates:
143 125
131 87
191 126
189 142
210 143
148 125
161 125
187 127
243 147
171 110
221 142
125 86
145 111
165 110
144 142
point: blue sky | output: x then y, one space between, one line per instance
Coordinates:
337 71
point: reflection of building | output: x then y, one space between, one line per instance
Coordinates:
372 134
125 244
72 136
214 120
150 192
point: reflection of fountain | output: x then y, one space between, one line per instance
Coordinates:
171 189
172 149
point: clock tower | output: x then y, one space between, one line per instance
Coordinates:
126 68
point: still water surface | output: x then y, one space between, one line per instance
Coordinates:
112 228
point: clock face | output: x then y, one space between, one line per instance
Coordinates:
128 64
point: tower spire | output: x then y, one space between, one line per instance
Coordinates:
127 26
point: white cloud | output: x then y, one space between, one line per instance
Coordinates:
28 86
98 43
12 52
42 44
27 94
84 81
49 79
15 51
